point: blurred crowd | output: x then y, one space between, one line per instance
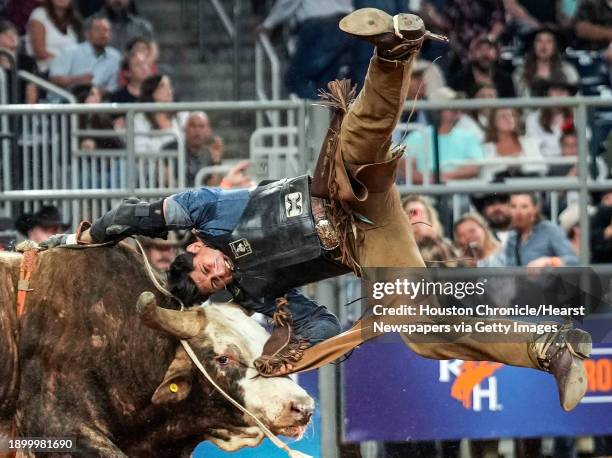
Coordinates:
103 50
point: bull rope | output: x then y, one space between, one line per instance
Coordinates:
194 358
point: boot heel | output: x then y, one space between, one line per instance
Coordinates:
580 343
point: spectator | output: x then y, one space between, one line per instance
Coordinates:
127 26
530 14
9 41
53 28
476 121
594 24
470 20
423 216
18 12
495 209
428 231
569 148
160 252
156 88
143 46
543 61
92 61
546 124
503 140
88 94
41 225
569 220
457 148
601 229
320 44
136 69
535 242
139 45
482 69
203 149
474 239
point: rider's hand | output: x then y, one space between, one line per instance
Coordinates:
237 177
57 240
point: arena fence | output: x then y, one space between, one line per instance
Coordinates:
48 163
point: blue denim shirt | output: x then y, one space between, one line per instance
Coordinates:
213 211
546 239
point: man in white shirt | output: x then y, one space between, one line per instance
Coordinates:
92 61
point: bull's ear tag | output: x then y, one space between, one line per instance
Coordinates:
294 204
176 385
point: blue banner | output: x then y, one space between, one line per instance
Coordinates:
392 394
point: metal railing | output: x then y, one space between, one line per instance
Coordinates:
54 168
287 157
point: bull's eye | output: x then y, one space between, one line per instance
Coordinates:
223 360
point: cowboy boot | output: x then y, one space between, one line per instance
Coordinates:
562 353
395 37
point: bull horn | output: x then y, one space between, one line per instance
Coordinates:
184 325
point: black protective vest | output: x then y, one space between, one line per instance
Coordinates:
275 245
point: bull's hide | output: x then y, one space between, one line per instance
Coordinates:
81 364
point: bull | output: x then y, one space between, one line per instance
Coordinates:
80 363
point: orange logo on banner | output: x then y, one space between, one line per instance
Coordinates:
472 374
599 374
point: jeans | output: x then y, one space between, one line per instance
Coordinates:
317 59
311 321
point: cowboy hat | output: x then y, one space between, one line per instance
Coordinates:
48 216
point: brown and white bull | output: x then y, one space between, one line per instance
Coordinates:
80 363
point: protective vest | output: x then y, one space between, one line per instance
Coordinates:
275 245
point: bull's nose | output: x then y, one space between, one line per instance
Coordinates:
301 411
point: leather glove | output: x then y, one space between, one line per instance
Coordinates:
57 240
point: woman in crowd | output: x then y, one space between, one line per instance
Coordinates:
428 233
475 241
136 69
503 140
534 241
157 88
52 28
547 124
543 61
88 94
156 131
476 121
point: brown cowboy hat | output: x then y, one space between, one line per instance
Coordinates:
47 216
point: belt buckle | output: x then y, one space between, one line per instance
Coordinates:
327 235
